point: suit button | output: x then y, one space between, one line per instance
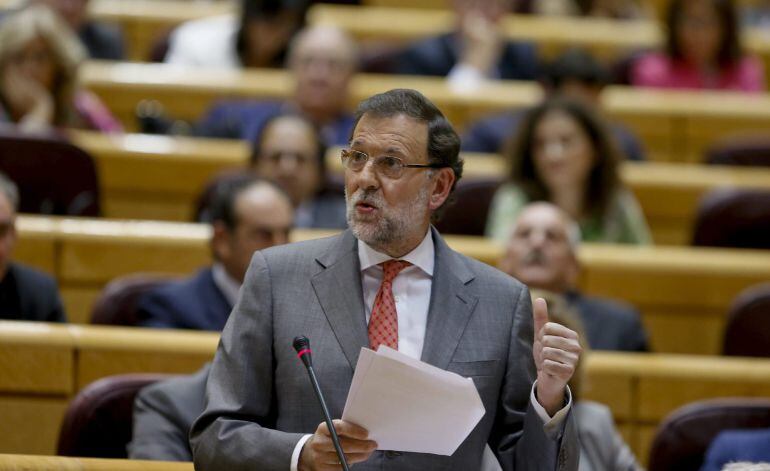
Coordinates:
392 454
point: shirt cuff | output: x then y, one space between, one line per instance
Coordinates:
297 452
464 78
553 426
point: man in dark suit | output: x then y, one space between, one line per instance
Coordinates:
390 279
575 74
248 214
476 50
322 61
25 294
541 252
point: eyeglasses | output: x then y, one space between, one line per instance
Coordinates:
386 165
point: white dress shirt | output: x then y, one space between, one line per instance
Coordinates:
411 291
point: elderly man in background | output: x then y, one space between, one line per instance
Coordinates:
322 61
25 294
541 252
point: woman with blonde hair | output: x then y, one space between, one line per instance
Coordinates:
39 60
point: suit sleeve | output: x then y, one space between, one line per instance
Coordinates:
523 442
236 430
156 435
155 311
56 311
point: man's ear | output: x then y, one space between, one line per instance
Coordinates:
443 180
220 241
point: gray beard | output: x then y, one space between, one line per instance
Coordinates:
393 225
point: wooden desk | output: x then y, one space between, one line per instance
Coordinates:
677 289
60 463
640 389
36 382
674 125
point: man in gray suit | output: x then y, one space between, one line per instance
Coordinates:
390 279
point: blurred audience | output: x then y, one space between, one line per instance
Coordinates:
601 446
322 60
575 74
248 214
613 9
25 293
756 14
290 152
476 50
738 445
39 59
563 154
258 37
163 415
101 40
542 253
703 51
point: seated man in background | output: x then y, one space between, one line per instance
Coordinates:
575 74
101 40
163 415
247 215
476 50
738 445
322 61
290 152
541 253
25 294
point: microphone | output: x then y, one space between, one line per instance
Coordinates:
302 346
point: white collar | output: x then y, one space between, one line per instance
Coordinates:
422 256
228 285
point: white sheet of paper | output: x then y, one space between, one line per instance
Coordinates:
409 405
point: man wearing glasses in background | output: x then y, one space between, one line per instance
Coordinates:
390 279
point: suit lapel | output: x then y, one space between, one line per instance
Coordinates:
452 303
338 289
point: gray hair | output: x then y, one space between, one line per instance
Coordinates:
574 234
10 190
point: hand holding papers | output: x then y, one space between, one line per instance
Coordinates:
408 405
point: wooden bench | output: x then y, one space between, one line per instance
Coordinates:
673 125
640 389
59 463
677 289
160 177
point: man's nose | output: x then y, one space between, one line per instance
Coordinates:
367 178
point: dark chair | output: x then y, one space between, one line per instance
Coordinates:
751 150
733 218
53 176
117 302
98 421
467 213
748 324
684 436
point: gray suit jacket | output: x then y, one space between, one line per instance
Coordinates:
601 446
163 415
260 402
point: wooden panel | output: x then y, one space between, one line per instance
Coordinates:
59 463
79 301
35 357
646 434
30 424
98 251
609 383
668 381
105 351
37 250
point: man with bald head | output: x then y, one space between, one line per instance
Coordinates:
248 214
541 253
322 61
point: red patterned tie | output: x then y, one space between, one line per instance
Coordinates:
383 325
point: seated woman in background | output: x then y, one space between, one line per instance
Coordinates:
290 152
563 154
39 58
703 51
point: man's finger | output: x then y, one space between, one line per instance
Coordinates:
552 328
351 430
540 315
